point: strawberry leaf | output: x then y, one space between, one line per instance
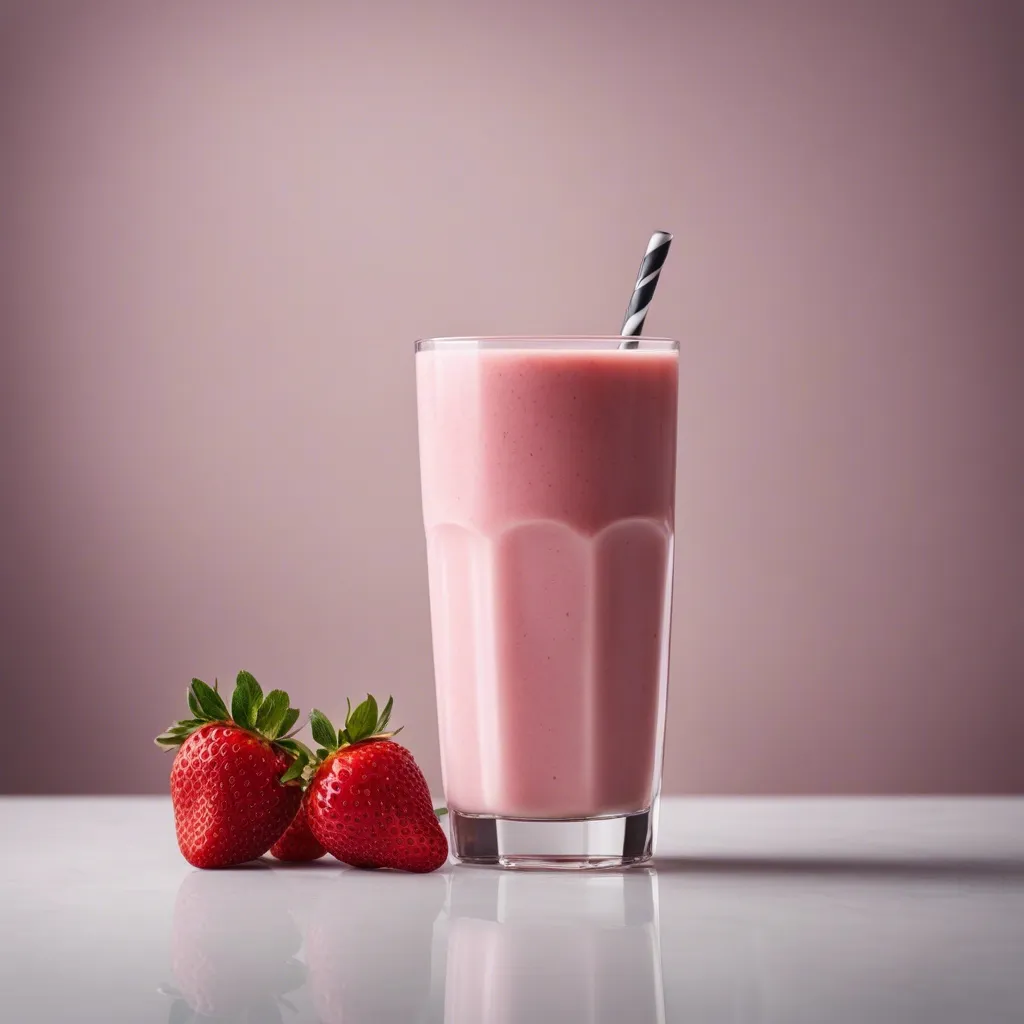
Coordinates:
291 716
295 769
271 713
241 705
385 715
440 811
362 721
177 733
209 701
248 679
323 731
295 748
322 752
193 703
246 700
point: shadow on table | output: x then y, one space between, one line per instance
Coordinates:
967 869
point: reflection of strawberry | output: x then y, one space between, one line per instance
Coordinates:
352 975
368 801
233 955
234 781
298 843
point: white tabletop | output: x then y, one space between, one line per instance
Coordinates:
788 910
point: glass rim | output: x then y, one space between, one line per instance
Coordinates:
549 342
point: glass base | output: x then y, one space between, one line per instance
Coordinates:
617 841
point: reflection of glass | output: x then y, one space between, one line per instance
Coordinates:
233 946
532 949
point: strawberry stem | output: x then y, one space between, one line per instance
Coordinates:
362 722
269 717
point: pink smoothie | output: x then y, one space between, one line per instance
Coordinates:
548 481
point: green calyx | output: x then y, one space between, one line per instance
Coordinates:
268 716
361 723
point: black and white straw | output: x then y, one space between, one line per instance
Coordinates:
643 290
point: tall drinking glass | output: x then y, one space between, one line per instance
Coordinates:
548 477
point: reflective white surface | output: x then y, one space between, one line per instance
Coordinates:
788 911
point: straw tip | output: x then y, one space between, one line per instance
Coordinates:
659 239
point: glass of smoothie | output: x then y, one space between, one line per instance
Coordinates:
548 478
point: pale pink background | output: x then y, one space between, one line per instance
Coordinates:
222 226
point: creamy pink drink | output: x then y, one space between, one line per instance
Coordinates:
548 475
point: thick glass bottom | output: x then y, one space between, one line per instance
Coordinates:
574 844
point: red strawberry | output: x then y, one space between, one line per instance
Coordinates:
368 801
298 843
235 779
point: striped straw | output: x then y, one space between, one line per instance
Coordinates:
643 290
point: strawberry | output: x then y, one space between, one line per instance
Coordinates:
235 781
298 843
368 802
